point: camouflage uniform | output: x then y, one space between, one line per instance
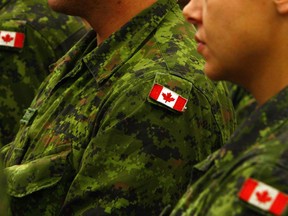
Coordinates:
243 102
258 150
94 143
3 193
48 36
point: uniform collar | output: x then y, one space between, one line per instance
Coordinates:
272 115
120 46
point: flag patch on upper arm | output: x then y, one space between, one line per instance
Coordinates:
168 97
263 196
12 39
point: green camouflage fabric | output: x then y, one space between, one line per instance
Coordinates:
243 102
258 150
94 143
48 36
4 203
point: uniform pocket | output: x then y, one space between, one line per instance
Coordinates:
36 175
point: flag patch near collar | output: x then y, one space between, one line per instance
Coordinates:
167 97
12 39
263 196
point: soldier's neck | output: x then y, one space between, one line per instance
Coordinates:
112 15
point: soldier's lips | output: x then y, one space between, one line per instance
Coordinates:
200 44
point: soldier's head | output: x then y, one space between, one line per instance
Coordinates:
239 38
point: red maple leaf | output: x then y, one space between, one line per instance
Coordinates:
7 38
263 196
167 97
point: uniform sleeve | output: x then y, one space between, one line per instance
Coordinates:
23 70
140 157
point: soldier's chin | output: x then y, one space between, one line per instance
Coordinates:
58 7
214 73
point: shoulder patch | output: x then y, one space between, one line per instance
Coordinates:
12 35
170 91
12 39
168 97
263 196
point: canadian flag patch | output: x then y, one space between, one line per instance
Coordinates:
12 39
167 97
263 196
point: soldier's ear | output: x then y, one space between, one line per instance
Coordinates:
281 6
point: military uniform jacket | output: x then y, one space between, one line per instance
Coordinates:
32 37
4 204
256 155
93 142
243 102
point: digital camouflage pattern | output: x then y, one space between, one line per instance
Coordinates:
94 143
49 35
258 149
4 204
243 102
